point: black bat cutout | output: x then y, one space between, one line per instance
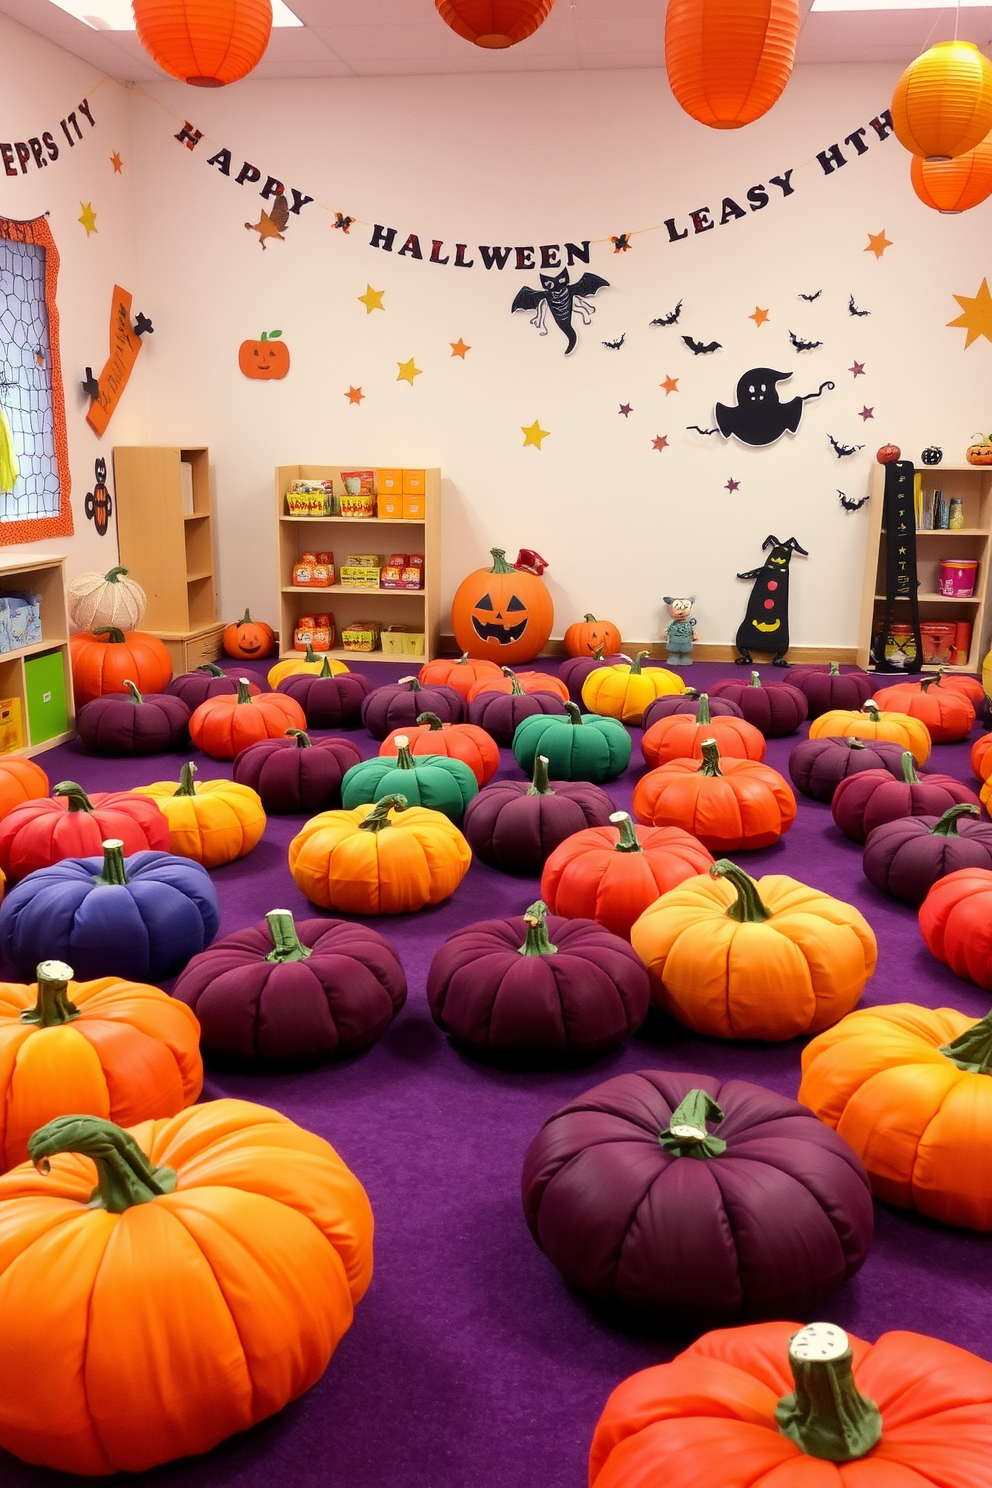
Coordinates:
142 325
810 298
667 320
801 345
562 298
91 385
853 309
616 345
850 505
844 449
698 349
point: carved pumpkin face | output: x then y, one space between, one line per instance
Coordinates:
502 613
249 637
264 360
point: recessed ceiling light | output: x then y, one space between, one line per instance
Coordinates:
821 5
115 15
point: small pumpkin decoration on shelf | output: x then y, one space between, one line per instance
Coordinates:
827 688
774 708
296 773
624 690
908 1088
459 741
113 598
510 682
871 798
104 658
389 858
611 874
980 452
500 712
328 699
311 663
92 1046
681 736
932 455
502 614
577 747
280 994
696 1200
21 780
151 913
284 1269
71 824
687 702
459 673
946 711
514 825
131 723
398 705
888 454
870 723
787 1401
575 669
587 636
223 726
817 766
530 985
211 821
435 781
249 639
206 681
905 858
728 804
955 920
768 958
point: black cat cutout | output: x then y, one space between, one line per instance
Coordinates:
759 418
562 297
765 626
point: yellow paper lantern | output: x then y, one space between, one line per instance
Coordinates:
942 106
954 185
207 43
494 24
729 60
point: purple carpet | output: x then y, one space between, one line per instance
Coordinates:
469 1363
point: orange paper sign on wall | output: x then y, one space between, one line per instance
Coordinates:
124 348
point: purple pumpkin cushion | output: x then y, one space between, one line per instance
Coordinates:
687 702
398 704
516 824
817 766
771 1213
328 702
207 681
499 713
776 708
872 797
132 723
576 669
827 687
296 773
905 858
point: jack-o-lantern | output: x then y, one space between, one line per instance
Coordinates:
980 453
249 638
589 635
266 359
503 614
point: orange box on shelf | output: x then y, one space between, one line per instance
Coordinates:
414 482
391 506
413 507
389 482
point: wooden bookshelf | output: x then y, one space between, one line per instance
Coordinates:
40 704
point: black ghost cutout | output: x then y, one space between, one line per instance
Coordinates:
493 630
759 418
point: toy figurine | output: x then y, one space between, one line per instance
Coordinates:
679 635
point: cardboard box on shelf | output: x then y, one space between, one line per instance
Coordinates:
413 507
414 482
398 641
359 576
389 482
390 507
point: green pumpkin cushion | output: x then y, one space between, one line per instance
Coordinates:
579 746
432 780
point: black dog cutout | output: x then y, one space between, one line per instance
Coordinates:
765 626
759 418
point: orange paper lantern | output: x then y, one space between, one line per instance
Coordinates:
954 185
728 60
207 43
494 24
942 106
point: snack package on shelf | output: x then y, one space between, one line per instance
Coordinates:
361 635
397 640
11 728
311 498
358 499
316 631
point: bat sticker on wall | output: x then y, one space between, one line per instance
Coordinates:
850 505
563 299
670 319
142 325
765 626
809 298
759 418
843 450
699 349
801 345
616 345
853 309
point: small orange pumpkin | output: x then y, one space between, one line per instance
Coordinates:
460 673
728 804
503 614
870 723
228 723
266 359
248 638
947 711
589 635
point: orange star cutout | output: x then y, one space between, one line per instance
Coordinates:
977 314
759 317
116 162
354 395
458 348
670 384
877 243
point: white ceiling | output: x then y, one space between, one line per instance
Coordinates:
370 38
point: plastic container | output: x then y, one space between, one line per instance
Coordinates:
957 577
900 645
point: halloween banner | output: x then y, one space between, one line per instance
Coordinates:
125 344
40 150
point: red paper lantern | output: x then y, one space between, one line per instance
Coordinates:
942 105
494 24
728 60
207 43
954 185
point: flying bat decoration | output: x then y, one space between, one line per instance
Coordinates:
850 505
759 418
272 224
765 626
699 349
853 309
809 298
91 385
562 298
843 450
142 325
670 319
616 345
801 345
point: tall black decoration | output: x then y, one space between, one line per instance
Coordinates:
765 627
901 583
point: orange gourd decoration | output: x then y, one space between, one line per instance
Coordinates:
910 1089
502 614
104 1048
494 24
211 821
461 741
249 639
956 185
728 804
680 736
206 43
942 105
516 682
729 60
202 1270
946 711
308 665
735 957
369 861
103 659
460 674
774 1407
589 635
20 780
980 453
224 725
870 723
623 691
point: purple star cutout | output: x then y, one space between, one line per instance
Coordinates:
866 414
858 369
732 485
626 408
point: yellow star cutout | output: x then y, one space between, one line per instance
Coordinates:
759 317
670 384
977 316
408 371
877 243
116 162
534 434
458 348
372 299
88 217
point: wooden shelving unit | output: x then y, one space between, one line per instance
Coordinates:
419 610
169 553
27 673
973 484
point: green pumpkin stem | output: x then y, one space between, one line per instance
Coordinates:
589 619
536 942
310 656
834 670
378 817
539 780
516 690
244 696
52 1006
574 716
909 774
948 824
115 636
871 708
755 680
635 665
186 784
927 682
686 1134
971 1050
826 1415
132 689
703 710
710 752
125 1177
113 863
302 738
628 842
211 669
75 795
414 684
325 670
462 660
404 759
115 574
436 726
747 908
500 565
855 743
597 655
286 944
246 619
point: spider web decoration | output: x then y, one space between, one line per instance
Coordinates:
31 394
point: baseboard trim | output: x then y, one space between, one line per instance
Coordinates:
704 651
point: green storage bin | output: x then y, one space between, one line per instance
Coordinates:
48 712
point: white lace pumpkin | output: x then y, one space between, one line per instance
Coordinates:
97 599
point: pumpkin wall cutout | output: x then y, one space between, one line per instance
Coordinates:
502 614
264 360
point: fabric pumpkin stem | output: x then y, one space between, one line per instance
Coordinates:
686 1134
75 795
574 716
436 726
404 759
125 1177
115 575
755 680
113 863
378 817
971 1050
286 944
211 669
948 824
302 738
325 670
635 665
537 942
628 842
747 909
871 708
53 1006
515 689
187 786
827 1416
414 684
909 774
244 696
115 636
834 669
710 751
539 785
703 710
132 689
